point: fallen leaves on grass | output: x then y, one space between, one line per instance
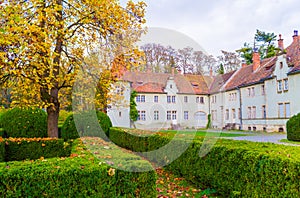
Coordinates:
170 186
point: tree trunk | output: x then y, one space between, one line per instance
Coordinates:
53 113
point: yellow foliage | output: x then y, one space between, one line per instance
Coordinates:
44 44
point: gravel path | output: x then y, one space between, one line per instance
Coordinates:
273 138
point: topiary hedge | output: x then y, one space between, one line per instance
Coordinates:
293 128
27 123
233 168
80 175
17 149
2 150
86 125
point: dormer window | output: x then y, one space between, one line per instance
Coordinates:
139 82
195 85
281 65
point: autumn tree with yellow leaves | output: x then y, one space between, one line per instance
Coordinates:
44 43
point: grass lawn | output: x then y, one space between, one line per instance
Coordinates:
167 184
203 133
289 141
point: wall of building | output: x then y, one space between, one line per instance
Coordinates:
119 113
190 112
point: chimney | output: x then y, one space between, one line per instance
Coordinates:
173 70
179 71
210 72
295 37
255 59
244 64
280 43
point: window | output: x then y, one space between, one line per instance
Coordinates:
285 84
227 115
215 100
171 86
186 115
173 99
169 99
281 65
214 115
120 114
141 115
263 90
185 99
239 113
279 83
155 98
280 110
233 114
174 115
263 111
252 92
168 115
249 92
249 112
140 98
156 113
287 110
200 100
253 112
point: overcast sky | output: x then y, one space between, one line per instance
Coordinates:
224 24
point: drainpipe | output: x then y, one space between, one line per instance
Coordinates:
241 109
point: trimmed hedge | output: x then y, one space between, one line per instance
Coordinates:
17 149
86 125
27 123
80 175
234 168
293 128
2 150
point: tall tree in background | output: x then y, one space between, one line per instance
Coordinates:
264 42
43 43
230 61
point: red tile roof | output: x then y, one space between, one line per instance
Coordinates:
145 82
245 75
293 52
219 81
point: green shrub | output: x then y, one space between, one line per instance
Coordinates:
78 176
86 125
25 123
2 150
63 115
293 128
17 149
233 168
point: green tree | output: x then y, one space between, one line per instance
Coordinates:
263 42
43 44
133 109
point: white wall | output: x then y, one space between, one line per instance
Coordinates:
119 114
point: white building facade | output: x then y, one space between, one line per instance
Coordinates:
257 97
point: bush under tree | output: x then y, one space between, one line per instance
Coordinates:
86 125
29 122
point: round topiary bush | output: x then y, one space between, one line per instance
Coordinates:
29 122
86 125
293 128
